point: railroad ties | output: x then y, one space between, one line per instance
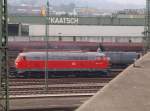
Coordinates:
69 92
57 86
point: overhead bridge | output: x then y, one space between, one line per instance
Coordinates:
129 91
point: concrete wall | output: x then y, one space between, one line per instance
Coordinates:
83 38
74 30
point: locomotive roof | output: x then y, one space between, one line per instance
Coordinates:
62 53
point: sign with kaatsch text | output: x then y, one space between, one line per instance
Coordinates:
63 20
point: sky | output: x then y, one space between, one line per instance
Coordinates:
110 4
136 2
115 3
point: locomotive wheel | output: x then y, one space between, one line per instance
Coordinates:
26 75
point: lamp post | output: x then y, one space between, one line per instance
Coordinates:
60 37
46 45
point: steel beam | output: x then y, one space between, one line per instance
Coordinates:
147 26
4 98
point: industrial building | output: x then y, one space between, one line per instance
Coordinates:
94 29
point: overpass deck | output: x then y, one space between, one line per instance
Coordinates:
129 91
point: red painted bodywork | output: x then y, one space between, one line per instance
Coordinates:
63 64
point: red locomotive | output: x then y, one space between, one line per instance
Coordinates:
31 63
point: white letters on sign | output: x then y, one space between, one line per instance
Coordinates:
62 20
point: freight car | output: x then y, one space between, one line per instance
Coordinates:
33 63
89 46
122 58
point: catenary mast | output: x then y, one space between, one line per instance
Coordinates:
4 98
147 26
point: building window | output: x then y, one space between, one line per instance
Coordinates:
13 29
25 30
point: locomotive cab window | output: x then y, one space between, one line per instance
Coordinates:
23 58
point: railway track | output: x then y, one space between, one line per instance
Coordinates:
65 94
60 90
20 86
56 86
58 81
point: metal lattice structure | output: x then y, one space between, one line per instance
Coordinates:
46 40
147 26
4 101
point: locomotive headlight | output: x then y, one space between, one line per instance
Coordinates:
16 63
